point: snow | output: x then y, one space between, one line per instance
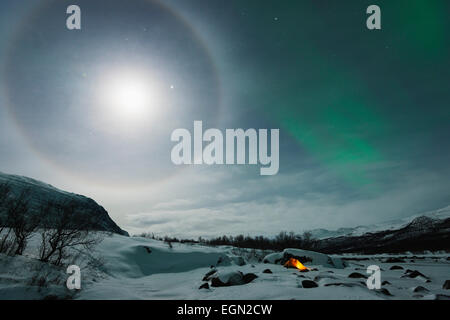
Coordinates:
130 258
315 257
440 214
140 268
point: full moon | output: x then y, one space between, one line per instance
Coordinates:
129 97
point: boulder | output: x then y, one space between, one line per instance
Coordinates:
307 284
249 277
208 275
233 278
238 260
415 274
446 285
396 268
357 275
204 286
420 289
267 271
384 291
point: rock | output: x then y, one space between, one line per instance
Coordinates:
267 271
148 249
396 268
307 284
420 289
304 270
204 286
233 278
385 292
249 277
207 276
446 285
238 260
413 274
385 283
357 275
394 260
216 282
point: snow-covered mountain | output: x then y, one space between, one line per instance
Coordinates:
427 232
40 193
440 214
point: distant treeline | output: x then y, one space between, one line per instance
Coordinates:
279 242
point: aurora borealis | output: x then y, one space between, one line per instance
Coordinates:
363 115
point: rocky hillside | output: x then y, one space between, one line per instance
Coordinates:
40 193
421 234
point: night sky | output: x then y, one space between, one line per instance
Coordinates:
363 115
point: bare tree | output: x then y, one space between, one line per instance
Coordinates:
63 227
5 232
16 220
21 221
5 191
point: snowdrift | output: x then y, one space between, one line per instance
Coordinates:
138 257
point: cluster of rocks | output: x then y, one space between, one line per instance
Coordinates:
414 274
226 279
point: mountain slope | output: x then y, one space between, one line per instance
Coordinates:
440 214
427 232
40 193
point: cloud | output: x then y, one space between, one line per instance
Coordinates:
297 202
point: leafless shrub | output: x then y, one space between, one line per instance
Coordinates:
17 224
21 221
5 242
42 277
64 227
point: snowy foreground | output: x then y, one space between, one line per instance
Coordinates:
138 268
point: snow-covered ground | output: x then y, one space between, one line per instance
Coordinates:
138 268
